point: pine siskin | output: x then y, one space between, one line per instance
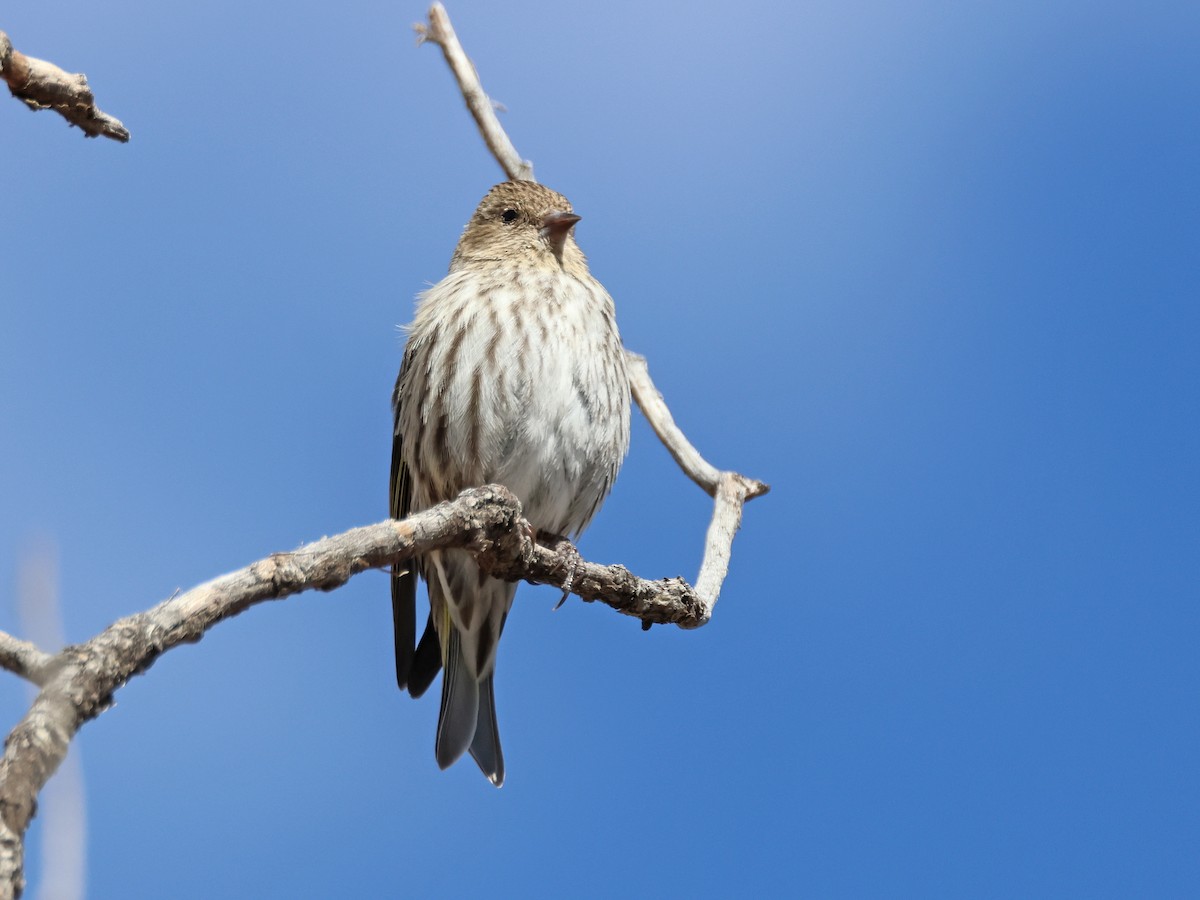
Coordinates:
513 373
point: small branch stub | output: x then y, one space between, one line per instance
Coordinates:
25 659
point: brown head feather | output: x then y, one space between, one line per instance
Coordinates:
508 226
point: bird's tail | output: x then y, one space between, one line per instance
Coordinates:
485 746
467 720
460 705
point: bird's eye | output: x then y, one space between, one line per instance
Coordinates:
509 216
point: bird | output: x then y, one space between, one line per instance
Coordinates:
513 372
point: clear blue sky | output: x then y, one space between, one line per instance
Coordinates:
930 269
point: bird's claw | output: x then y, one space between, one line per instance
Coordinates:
572 560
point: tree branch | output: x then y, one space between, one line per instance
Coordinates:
63 806
79 683
439 31
729 490
652 405
42 85
25 659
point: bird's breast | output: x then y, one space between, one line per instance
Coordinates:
521 380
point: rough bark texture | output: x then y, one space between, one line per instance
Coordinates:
24 658
43 85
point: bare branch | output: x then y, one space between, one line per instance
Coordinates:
651 402
79 683
25 659
732 492
439 31
729 490
63 806
42 85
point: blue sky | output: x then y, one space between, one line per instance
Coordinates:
930 269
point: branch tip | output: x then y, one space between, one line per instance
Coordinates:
43 85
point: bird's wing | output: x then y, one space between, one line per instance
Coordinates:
415 670
404 580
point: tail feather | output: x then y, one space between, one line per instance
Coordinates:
485 746
404 605
460 706
467 613
426 662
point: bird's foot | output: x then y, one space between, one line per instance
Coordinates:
570 558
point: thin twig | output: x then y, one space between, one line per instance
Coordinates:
654 408
43 85
729 490
732 492
651 402
439 31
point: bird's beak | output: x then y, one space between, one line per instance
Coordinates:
555 227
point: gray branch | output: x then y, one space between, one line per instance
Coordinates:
78 684
43 85
63 804
439 31
25 659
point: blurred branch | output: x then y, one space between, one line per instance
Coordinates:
485 521
25 659
729 490
43 85
63 864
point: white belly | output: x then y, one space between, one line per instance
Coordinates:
537 399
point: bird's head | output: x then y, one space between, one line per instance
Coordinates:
522 222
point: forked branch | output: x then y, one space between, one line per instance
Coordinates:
78 684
